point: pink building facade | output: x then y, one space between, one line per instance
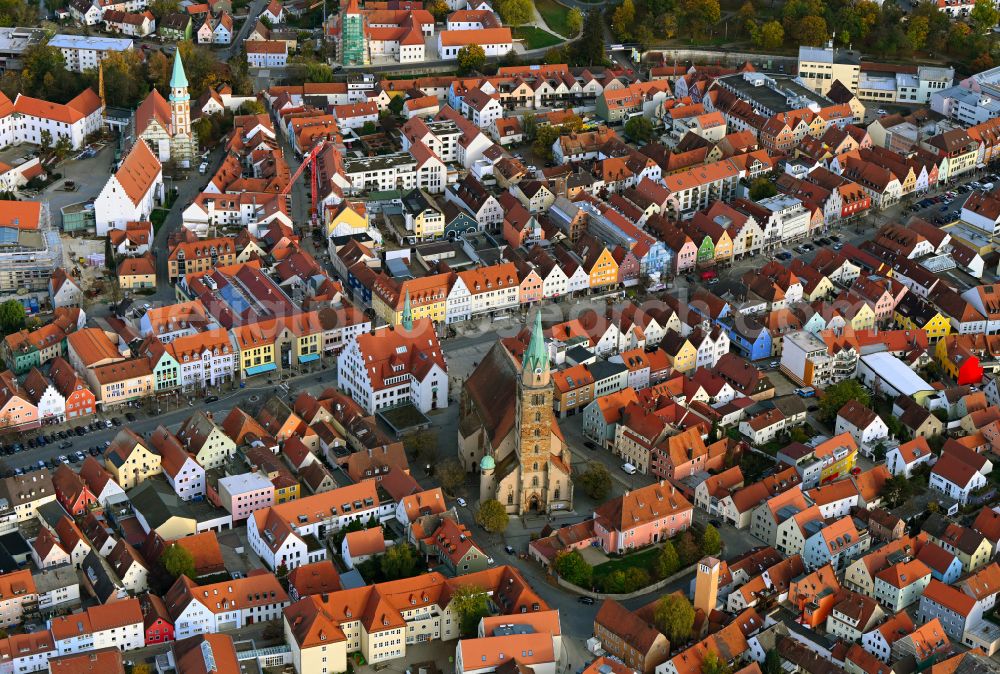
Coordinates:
242 495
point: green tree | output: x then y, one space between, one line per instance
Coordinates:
574 20
253 107
770 35
516 12
470 606
177 561
688 549
438 9
492 516
762 188
44 74
796 10
668 25
160 8
838 395
450 475
897 489
958 36
667 562
158 71
713 664
423 445
529 125
396 105
623 20
711 541
624 581
589 49
12 316
674 616
399 561
856 20
596 481
938 23
573 568
772 662
471 58
62 147
811 30
983 16
203 70
639 129
746 15
125 83
45 139
18 13
698 16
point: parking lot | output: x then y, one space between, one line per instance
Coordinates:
947 208
63 439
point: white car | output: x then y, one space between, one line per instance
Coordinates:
461 501
203 168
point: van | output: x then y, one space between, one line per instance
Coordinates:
629 468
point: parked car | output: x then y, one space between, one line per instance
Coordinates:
589 601
211 398
508 549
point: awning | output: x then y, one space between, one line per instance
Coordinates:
309 357
260 369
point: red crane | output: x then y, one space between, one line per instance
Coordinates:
310 160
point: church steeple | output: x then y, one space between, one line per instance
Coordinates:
407 313
178 80
180 101
536 357
535 364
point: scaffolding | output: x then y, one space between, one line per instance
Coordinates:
353 44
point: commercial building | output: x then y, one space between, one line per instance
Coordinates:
29 248
891 377
242 495
85 52
396 365
820 67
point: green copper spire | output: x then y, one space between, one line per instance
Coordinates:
178 80
536 358
407 313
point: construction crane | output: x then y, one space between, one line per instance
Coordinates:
310 161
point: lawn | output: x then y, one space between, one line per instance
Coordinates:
536 38
554 14
644 559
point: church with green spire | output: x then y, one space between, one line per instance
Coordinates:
165 124
508 432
